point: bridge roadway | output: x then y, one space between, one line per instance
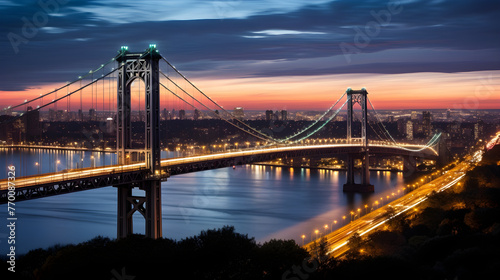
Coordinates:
30 187
337 241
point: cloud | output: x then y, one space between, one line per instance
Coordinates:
250 38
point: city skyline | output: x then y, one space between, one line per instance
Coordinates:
294 56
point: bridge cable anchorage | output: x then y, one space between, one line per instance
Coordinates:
80 78
62 97
182 99
433 141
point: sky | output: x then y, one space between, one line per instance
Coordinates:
294 54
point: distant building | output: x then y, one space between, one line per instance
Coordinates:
110 125
52 115
426 123
164 114
284 115
196 114
409 130
182 115
238 113
478 130
269 115
80 115
92 115
402 126
414 115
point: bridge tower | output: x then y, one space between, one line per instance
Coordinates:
360 97
143 66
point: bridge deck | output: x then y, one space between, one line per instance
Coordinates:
81 179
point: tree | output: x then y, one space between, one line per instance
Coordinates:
276 256
354 243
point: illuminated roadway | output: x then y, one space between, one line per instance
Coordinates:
36 186
337 240
99 171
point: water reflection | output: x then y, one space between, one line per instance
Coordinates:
261 201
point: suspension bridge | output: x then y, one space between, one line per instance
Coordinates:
145 169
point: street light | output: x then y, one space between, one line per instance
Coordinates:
303 236
366 208
334 223
57 163
326 228
343 217
37 167
316 231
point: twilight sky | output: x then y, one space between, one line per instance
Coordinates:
293 54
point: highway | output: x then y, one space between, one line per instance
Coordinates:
67 175
337 240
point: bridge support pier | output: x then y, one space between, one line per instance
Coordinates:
153 208
125 212
350 185
149 206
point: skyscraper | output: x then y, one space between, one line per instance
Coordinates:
196 114
269 115
284 115
427 123
478 130
110 126
182 114
409 130
414 115
238 113
32 120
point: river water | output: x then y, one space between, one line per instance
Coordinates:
264 202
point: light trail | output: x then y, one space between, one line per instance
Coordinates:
338 239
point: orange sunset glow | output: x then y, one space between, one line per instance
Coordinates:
468 90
